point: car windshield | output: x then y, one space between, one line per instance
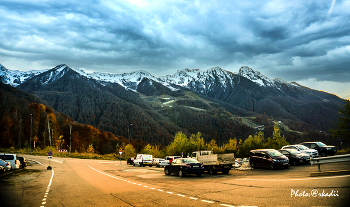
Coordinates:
274 153
302 147
320 144
293 151
189 160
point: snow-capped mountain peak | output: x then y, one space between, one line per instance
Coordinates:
15 77
255 76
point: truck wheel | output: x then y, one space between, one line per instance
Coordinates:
181 174
225 172
212 171
150 166
166 171
140 164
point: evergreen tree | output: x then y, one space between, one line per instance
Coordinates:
342 128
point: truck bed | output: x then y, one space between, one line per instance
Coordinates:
217 159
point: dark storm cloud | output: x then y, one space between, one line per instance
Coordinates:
292 40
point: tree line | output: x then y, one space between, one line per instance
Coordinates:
184 145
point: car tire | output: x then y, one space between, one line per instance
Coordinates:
181 173
323 154
166 171
294 162
212 171
133 164
271 166
252 165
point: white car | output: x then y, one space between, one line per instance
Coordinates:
302 148
12 159
159 162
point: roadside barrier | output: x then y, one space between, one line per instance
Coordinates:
332 159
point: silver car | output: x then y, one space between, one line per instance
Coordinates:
5 165
302 148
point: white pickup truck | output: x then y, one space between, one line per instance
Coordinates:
143 160
214 163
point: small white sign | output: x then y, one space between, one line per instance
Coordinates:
120 152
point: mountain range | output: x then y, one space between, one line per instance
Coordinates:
218 103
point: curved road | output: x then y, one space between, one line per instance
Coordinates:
84 182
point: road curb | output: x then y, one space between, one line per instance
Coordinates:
330 173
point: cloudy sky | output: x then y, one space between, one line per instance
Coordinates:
307 41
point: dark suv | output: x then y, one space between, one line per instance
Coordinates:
322 148
268 158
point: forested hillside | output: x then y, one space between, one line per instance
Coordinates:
25 117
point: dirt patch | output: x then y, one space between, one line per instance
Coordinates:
21 176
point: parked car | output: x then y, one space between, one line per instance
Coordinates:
23 162
268 158
239 160
322 148
12 159
130 161
183 166
302 148
5 165
296 157
159 162
169 159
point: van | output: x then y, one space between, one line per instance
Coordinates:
143 160
268 158
12 159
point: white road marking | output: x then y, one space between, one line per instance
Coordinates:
48 189
208 201
291 179
193 198
59 161
181 195
227 205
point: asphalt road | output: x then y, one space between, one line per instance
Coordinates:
83 182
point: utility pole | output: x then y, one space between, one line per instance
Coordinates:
48 127
129 138
70 142
30 140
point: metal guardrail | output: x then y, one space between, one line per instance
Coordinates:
332 159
